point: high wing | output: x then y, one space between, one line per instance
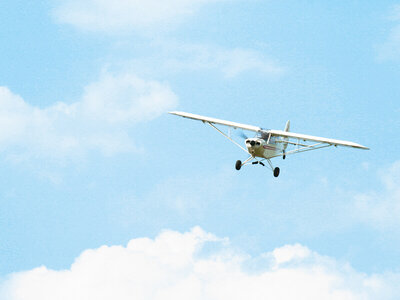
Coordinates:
304 137
216 121
319 142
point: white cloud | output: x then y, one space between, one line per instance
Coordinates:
290 253
173 266
125 15
381 209
100 120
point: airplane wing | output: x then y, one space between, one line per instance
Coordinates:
319 142
304 137
216 121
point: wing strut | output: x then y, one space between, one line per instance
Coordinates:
304 148
309 148
229 138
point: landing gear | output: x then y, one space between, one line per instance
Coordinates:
274 170
238 165
284 154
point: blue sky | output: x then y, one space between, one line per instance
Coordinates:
89 157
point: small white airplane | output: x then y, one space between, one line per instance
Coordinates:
268 143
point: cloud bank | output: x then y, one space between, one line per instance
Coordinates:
125 15
175 266
100 120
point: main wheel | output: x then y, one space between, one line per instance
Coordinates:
276 172
238 165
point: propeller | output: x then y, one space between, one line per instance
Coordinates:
242 135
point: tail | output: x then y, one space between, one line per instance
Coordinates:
287 128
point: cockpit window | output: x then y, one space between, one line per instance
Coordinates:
265 135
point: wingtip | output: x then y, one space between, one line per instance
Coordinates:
362 147
176 113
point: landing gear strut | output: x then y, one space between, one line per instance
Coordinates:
239 163
274 170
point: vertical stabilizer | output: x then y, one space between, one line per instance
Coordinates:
287 128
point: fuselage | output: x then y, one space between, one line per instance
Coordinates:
259 147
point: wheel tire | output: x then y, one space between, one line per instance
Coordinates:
276 172
238 165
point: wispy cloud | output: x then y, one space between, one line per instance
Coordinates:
390 49
230 62
173 266
100 120
121 16
126 15
381 208
168 57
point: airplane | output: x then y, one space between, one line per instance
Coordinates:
269 143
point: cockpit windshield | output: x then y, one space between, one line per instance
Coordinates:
265 136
